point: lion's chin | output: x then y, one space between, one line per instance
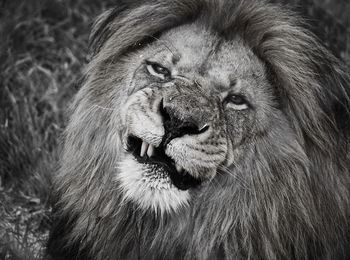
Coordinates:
149 187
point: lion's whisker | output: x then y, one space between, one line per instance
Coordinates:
241 181
104 108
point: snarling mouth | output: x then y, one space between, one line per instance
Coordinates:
155 156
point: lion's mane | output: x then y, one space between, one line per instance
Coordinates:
293 202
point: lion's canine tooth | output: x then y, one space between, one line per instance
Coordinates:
178 168
150 150
144 147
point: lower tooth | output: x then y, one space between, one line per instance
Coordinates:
178 168
150 150
144 147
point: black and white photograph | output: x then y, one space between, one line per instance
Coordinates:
174 129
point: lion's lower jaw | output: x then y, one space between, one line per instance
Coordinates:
149 189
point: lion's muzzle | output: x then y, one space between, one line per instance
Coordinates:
177 130
176 126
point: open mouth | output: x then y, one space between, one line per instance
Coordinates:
155 156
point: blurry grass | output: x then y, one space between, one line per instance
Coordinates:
43 45
42 49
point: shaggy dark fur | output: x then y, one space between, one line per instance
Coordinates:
294 202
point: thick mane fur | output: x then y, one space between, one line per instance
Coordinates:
291 197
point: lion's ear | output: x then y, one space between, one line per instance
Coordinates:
101 28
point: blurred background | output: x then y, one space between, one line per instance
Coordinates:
43 49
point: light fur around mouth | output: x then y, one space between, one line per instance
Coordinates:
149 187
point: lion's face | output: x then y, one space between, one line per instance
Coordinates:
194 104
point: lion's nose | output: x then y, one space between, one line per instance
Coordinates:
176 126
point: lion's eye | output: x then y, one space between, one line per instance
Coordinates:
236 102
157 70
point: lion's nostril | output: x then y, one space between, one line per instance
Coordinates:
163 111
177 125
204 128
186 127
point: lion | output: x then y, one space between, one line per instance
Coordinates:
210 129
